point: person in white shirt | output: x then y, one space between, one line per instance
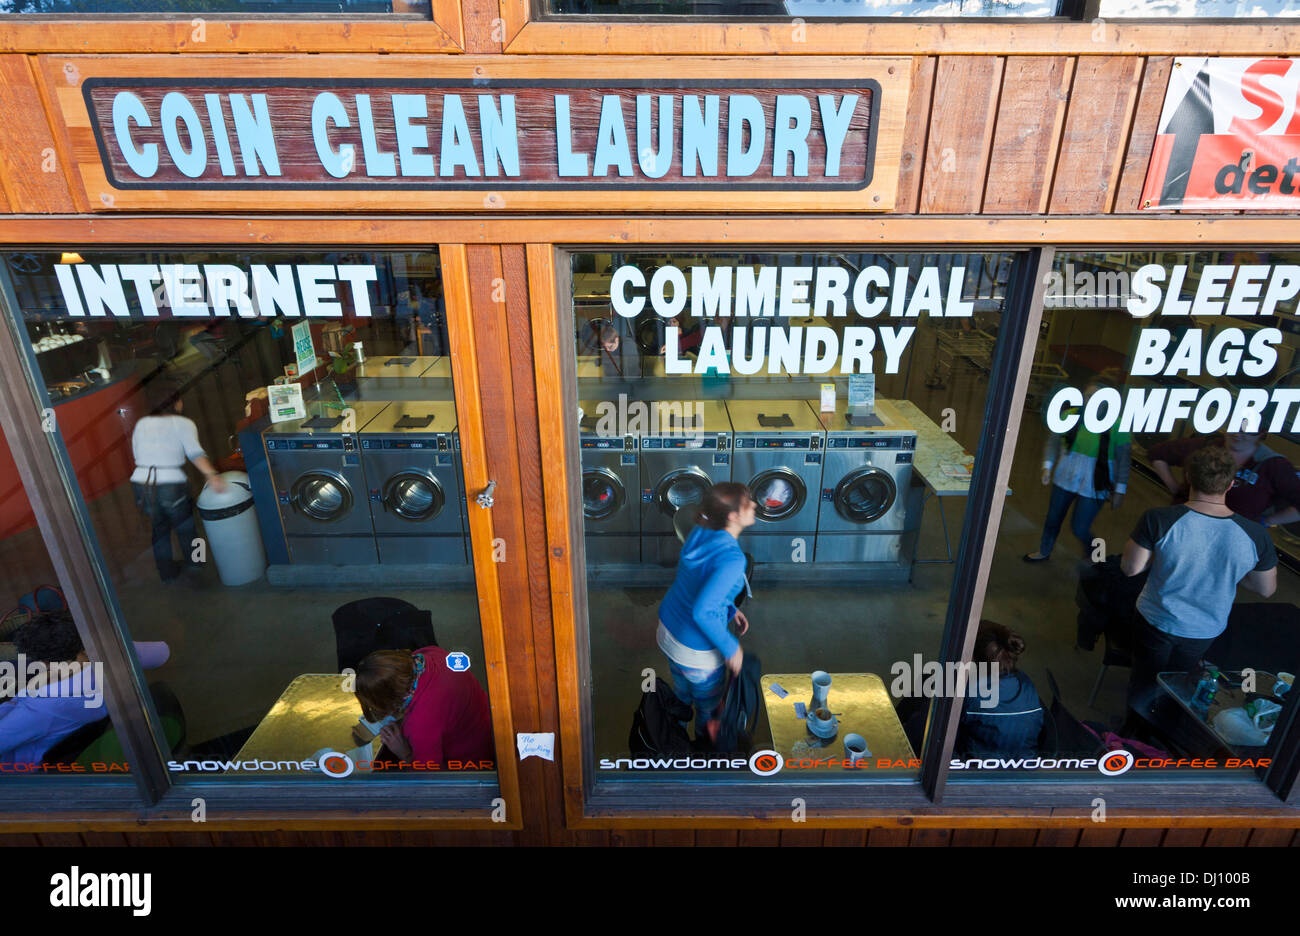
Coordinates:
161 444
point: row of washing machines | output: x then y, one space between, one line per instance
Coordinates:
831 487
382 484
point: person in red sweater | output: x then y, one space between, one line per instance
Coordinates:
1265 489
442 715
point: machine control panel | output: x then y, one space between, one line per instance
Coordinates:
797 443
309 444
683 442
871 442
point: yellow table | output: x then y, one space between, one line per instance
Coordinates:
863 706
313 713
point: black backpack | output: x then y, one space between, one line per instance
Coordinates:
740 706
657 723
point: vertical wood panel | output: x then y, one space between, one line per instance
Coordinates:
498 394
1031 114
514 267
916 129
674 838
1142 135
1102 100
630 838
931 838
973 838
710 838
1099 838
104 839
1271 838
888 838
802 838
19 840
1227 838
766 838
60 840
961 133
846 838
1188 838
1141 838
1057 838
483 26
1016 838
588 838
31 170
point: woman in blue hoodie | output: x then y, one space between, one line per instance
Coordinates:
695 614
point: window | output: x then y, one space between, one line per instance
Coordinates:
267 449
839 9
782 440
1135 629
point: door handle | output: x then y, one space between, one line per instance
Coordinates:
484 498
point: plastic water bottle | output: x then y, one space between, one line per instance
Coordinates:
1206 690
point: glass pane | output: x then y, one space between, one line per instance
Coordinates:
1147 590
263 437
185 7
53 718
826 406
1218 9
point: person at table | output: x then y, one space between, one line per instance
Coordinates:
67 696
441 715
161 443
695 614
1085 470
1264 481
1012 726
688 341
1197 554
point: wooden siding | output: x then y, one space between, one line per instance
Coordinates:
1006 135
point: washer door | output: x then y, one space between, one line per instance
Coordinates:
780 494
414 495
602 493
321 495
679 488
865 494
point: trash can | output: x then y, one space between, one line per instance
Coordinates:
234 538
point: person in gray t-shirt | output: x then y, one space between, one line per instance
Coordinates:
1197 553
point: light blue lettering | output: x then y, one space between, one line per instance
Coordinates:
835 127
411 137
700 135
500 135
377 163
656 162
790 135
256 139
569 162
176 107
611 139
127 107
744 109
217 120
457 147
327 107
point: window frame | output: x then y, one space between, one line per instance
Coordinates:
593 803
50 483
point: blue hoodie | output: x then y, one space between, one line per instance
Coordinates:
710 573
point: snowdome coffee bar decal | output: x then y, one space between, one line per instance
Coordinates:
806 143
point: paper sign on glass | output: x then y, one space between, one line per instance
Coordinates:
286 402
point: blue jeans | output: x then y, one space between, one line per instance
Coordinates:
169 507
1085 511
701 688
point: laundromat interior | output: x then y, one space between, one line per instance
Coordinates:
828 593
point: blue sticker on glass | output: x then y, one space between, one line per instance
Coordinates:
457 662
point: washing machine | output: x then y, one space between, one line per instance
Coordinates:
682 456
611 483
777 449
320 485
867 471
411 455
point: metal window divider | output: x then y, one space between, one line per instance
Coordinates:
1009 383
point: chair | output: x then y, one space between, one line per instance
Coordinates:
1118 637
1072 736
379 623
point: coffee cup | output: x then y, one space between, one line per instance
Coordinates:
855 749
821 687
